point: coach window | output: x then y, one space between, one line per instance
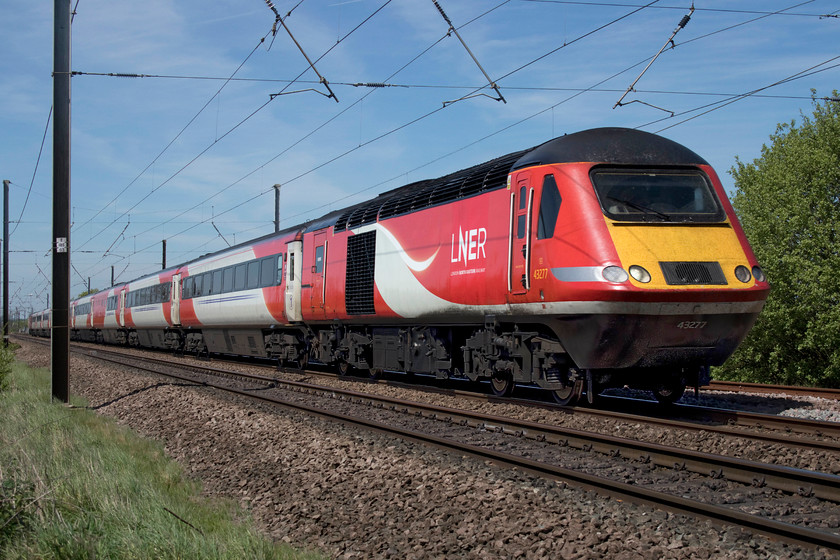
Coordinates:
227 280
240 274
216 286
267 271
549 208
319 259
291 267
279 269
199 285
253 275
206 284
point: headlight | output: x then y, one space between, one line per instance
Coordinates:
615 274
742 273
759 274
640 274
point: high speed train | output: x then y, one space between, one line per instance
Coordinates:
605 258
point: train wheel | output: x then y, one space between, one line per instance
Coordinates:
343 368
565 396
502 383
669 393
375 373
301 362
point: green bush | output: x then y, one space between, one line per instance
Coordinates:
788 201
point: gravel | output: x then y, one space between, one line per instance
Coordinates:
351 494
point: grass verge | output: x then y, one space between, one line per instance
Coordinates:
77 485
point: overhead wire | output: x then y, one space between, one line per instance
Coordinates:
718 10
35 172
166 148
428 114
322 125
525 119
724 103
387 133
240 123
381 85
375 12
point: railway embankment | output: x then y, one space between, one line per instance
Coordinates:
354 494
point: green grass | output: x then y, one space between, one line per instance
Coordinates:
76 485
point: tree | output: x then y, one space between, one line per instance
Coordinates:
788 202
88 292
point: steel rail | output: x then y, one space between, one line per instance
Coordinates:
744 387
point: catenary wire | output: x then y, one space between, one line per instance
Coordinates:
588 89
231 129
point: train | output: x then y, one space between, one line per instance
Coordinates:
609 257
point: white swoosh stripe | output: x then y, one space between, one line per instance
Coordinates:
416 266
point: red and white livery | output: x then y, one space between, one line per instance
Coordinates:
604 258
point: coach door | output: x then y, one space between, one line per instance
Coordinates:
175 299
294 268
319 272
519 242
121 313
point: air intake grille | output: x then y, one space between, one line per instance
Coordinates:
692 273
361 257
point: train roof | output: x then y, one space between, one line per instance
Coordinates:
621 146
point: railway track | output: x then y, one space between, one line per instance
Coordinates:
770 428
563 454
767 427
741 387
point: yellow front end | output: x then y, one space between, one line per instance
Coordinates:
648 245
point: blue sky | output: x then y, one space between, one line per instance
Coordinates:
187 155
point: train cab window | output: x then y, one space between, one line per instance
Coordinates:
549 208
656 195
227 280
216 285
319 259
522 197
253 275
240 273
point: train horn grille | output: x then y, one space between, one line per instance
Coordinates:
692 273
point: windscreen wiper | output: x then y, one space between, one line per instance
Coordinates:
640 208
